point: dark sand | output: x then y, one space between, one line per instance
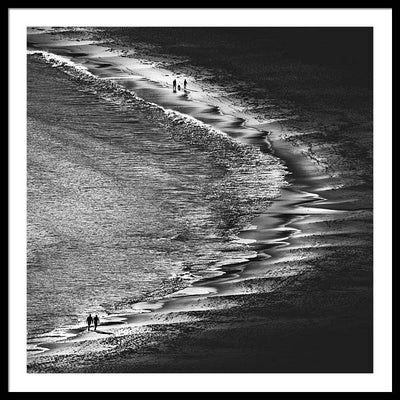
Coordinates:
319 320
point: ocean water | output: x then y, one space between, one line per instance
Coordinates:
126 200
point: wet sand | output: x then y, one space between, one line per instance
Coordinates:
303 305
307 310
316 321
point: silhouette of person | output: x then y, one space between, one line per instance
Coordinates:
179 87
96 320
184 84
174 85
89 320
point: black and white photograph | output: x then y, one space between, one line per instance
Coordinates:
201 199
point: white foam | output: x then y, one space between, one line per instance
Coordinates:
175 116
57 61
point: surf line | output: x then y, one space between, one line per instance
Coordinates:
279 236
293 205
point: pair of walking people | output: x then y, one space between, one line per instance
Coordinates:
91 319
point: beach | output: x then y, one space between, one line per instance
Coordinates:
274 271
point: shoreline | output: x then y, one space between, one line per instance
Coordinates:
75 47
249 293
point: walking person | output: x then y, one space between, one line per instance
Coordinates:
96 320
174 85
184 84
89 320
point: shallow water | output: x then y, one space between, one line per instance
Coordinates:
124 204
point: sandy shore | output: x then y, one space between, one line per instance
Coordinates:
319 321
307 308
